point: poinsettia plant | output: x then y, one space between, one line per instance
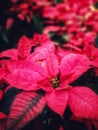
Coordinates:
49 76
43 79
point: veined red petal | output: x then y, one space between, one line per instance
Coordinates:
73 66
24 74
39 55
52 65
83 102
25 107
24 79
57 101
11 53
24 47
25 65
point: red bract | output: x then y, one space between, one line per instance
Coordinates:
73 66
80 39
24 75
43 41
40 39
50 12
24 47
22 10
57 100
23 50
25 107
92 54
40 53
52 65
27 8
85 100
11 53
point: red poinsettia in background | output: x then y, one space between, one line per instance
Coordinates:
26 9
50 78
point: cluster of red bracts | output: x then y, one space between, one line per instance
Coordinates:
52 67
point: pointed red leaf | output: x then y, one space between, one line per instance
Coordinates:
24 75
39 55
23 79
40 39
25 107
25 65
57 101
52 65
24 47
11 53
83 102
73 66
